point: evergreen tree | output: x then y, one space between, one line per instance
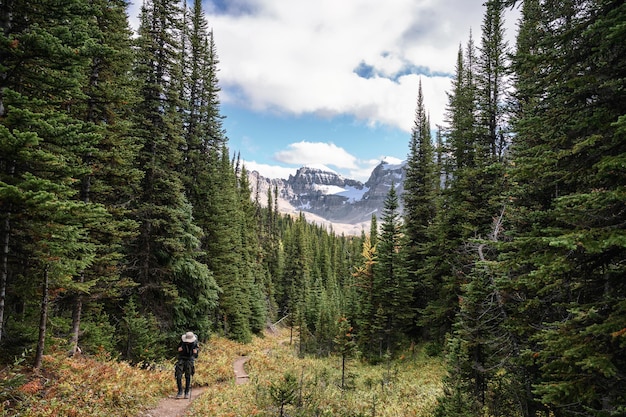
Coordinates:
567 254
272 253
224 247
491 83
473 193
45 227
255 281
447 261
393 291
419 199
366 310
296 281
110 177
164 256
345 345
202 124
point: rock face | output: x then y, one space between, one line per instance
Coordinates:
327 197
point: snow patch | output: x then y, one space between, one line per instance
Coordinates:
354 194
351 193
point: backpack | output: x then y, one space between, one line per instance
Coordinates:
188 349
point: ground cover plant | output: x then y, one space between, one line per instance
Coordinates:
282 383
79 387
97 386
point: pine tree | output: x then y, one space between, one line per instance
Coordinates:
419 199
393 290
44 57
165 253
567 255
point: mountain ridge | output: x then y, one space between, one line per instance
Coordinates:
328 199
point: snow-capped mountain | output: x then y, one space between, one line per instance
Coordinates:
328 198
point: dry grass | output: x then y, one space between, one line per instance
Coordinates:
408 387
97 387
81 387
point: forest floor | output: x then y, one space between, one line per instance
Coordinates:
85 386
176 407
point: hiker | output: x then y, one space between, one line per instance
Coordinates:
187 353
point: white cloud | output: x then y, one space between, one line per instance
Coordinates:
300 56
134 8
270 171
360 58
316 153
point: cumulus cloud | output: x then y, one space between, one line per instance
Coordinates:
310 57
358 58
316 153
270 171
362 58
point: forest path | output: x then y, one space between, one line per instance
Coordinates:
172 406
176 407
241 377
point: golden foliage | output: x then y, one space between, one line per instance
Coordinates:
97 387
408 387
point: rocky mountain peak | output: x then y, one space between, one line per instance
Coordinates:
327 198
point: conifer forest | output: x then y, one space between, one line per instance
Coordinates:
125 220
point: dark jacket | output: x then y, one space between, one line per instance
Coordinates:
187 350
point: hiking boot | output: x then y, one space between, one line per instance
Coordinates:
186 395
180 394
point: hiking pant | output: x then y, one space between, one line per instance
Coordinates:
184 366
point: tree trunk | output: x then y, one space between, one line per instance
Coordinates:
343 370
42 320
4 270
76 316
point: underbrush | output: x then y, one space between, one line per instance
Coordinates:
283 384
79 387
279 382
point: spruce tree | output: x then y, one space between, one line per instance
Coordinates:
44 54
225 252
251 262
393 290
491 83
110 177
202 125
164 256
296 282
447 261
365 308
419 199
567 254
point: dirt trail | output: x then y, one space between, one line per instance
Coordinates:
173 407
241 377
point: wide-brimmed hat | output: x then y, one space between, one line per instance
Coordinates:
189 337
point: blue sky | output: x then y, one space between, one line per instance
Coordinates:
277 144
333 82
